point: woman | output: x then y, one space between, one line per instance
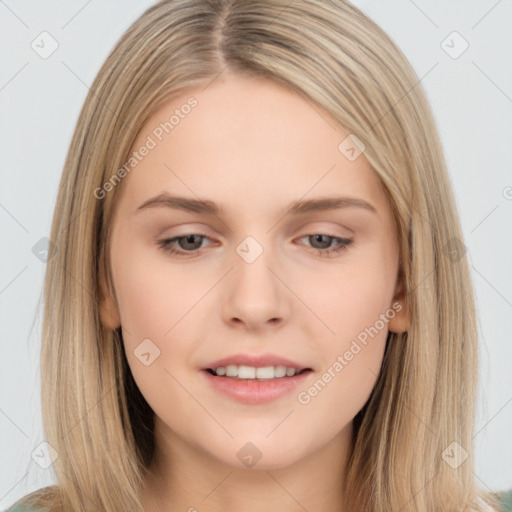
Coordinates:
258 295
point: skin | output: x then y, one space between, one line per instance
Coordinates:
253 147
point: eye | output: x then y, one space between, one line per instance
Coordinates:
189 244
322 244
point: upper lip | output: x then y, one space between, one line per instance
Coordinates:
257 361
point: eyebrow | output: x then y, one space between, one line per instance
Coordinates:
209 207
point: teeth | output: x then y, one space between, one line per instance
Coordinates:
246 372
250 372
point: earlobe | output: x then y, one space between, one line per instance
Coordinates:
109 313
402 319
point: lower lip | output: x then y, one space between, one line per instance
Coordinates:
256 391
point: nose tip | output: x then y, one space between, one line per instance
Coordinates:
254 320
254 296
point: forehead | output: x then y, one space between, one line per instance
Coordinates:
245 141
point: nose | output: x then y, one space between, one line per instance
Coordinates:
255 298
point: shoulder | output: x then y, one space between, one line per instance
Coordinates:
23 506
19 508
45 499
506 501
498 501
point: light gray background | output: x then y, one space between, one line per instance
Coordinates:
40 100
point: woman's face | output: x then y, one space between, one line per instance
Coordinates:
251 278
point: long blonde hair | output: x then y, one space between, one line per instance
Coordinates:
331 53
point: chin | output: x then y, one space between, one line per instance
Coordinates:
262 455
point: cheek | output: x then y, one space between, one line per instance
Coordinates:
156 305
350 297
354 303
154 294
356 309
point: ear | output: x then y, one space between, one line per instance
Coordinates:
402 319
109 312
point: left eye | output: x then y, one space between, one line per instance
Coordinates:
191 243
340 244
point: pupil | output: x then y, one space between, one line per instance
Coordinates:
318 238
189 239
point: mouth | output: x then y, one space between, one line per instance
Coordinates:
256 385
256 379
252 373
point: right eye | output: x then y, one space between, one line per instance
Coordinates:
189 244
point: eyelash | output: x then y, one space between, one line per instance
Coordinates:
167 245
